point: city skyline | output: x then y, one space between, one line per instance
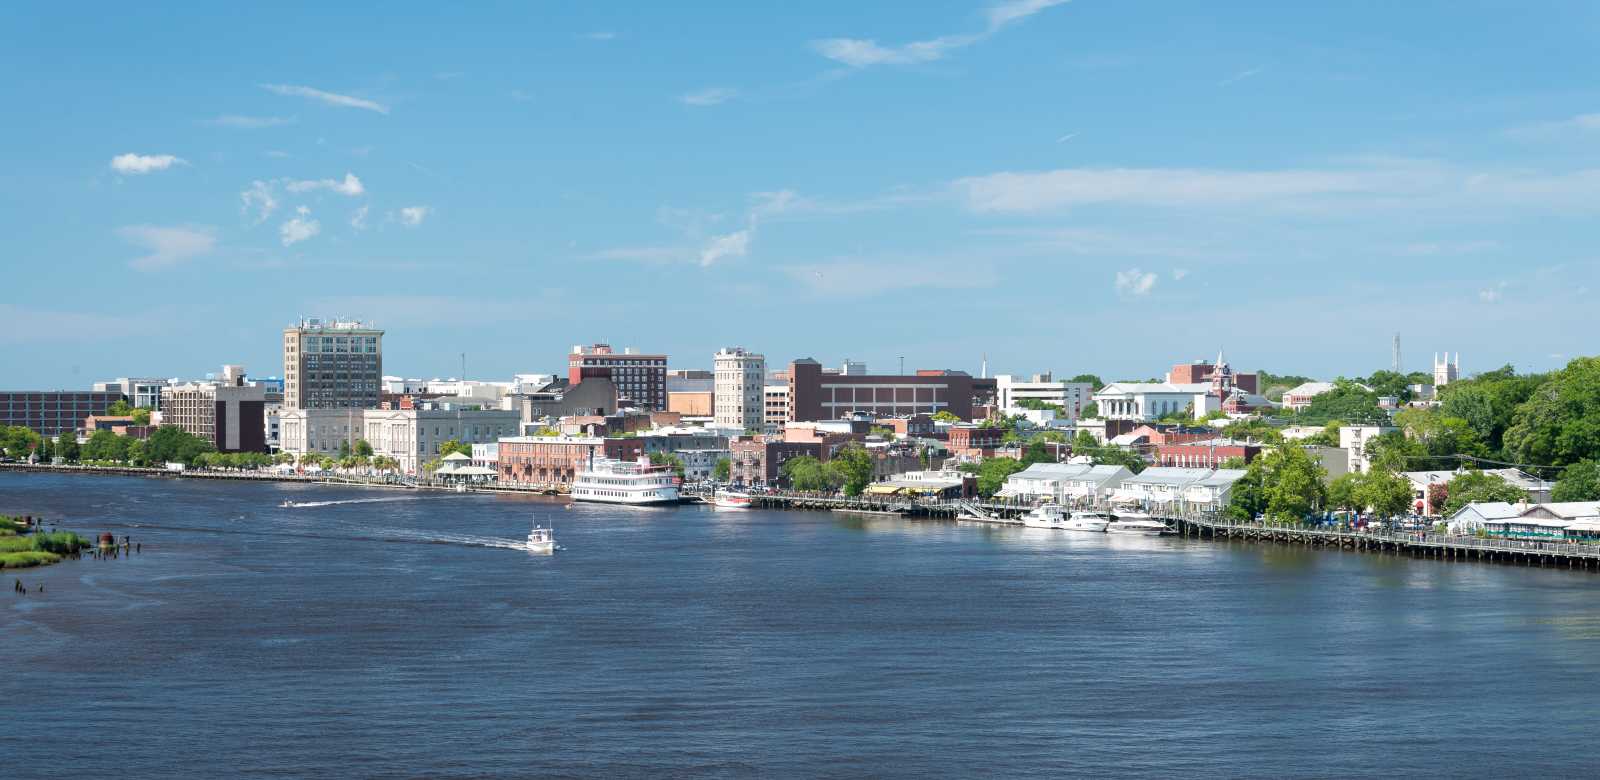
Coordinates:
1068 187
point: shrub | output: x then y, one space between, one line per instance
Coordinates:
15 544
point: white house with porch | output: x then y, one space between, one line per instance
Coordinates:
1171 487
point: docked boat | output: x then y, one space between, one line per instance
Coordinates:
1047 516
636 483
1135 523
732 501
541 540
1094 522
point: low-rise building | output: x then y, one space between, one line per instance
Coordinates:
1353 440
1174 488
141 392
554 461
49 412
413 437
1067 397
1538 490
974 441
1206 453
758 460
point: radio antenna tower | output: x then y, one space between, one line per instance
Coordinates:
1397 353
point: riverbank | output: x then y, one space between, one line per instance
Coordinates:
349 480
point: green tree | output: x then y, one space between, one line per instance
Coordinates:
102 445
1560 423
853 465
364 448
67 446
453 446
119 408
1250 428
344 449
19 441
1248 498
1475 486
1442 437
992 474
1346 401
945 416
809 474
1392 451
1386 493
667 459
723 470
171 444
141 416
1094 381
1579 482
1292 484
1035 404
1344 492
1089 411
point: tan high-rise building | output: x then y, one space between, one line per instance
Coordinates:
332 364
738 398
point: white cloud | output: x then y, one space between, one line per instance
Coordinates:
167 246
258 198
1493 293
866 52
412 216
350 186
300 227
330 98
734 244
1178 274
709 97
250 122
1240 76
1133 283
134 164
358 220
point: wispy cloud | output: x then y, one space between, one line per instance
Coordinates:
1134 283
300 227
867 52
1066 138
599 35
136 164
358 219
412 216
1492 293
642 254
249 122
1240 76
350 185
329 98
168 246
1575 125
709 97
1065 188
1178 274
259 199
1435 248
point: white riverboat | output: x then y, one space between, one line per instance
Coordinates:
1088 521
1136 523
636 483
1058 517
541 540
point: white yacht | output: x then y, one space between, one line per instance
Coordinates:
1136 523
541 540
1057 516
1088 521
638 483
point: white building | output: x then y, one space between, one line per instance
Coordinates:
318 430
1353 440
698 464
738 398
1447 370
1065 481
1178 488
413 436
1070 397
1149 401
141 393
487 455
775 408
1300 396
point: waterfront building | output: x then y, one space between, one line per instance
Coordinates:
1175 488
1538 490
556 460
487 455
639 378
318 431
758 460
142 393
1068 397
1097 484
332 364
815 395
1064 482
1353 440
698 465
413 437
229 412
739 400
49 412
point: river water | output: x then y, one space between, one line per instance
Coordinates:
376 633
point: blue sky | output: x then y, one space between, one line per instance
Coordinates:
1075 186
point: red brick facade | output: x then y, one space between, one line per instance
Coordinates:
556 460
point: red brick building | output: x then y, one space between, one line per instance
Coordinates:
1200 371
758 460
975 441
556 460
1206 453
815 395
640 378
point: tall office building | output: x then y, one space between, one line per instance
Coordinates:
639 378
229 413
738 399
332 364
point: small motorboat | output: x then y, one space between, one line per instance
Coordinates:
541 540
288 504
732 501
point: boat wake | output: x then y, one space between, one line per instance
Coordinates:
390 535
313 504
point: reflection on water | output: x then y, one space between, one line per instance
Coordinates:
391 637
